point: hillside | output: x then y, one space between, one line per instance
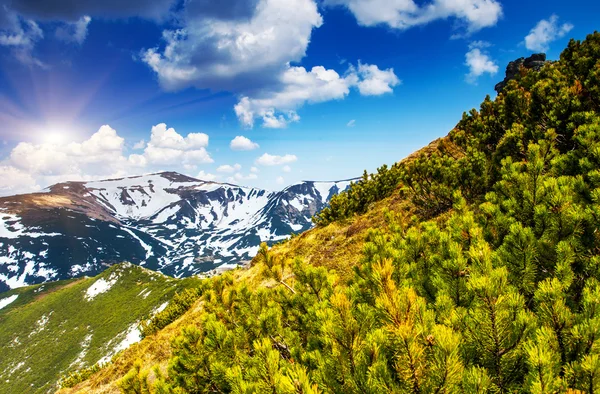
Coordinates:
51 329
472 267
166 222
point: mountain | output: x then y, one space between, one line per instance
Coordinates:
50 329
167 222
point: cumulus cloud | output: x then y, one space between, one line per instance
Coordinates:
280 180
246 47
104 146
242 143
546 31
239 177
204 176
374 82
229 168
218 51
141 144
479 62
74 32
166 146
15 181
274 160
277 107
31 166
286 169
404 14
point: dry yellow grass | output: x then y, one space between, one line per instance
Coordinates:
51 200
339 245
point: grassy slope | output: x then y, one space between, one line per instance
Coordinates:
36 354
153 351
337 246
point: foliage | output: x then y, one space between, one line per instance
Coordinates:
75 377
492 287
180 304
360 195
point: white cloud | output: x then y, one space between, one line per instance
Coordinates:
274 160
20 35
254 169
375 82
404 14
228 168
277 107
479 62
479 44
141 144
238 177
352 123
202 175
15 181
74 32
225 53
164 137
247 48
286 169
31 166
242 143
137 160
166 146
103 147
545 32
280 180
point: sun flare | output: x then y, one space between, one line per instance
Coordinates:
54 138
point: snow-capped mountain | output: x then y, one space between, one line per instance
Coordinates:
166 222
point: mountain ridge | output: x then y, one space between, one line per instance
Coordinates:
166 221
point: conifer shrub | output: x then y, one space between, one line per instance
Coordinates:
492 288
181 303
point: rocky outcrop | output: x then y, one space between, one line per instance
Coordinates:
533 62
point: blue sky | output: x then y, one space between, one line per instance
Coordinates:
319 90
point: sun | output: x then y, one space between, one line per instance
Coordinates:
54 134
54 138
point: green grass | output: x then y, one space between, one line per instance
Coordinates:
77 332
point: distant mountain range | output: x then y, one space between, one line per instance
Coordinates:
167 222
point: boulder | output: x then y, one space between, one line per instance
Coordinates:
534 62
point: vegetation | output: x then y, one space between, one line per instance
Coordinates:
180 304
487 280
75 377
53 330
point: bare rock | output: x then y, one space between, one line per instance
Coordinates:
533 62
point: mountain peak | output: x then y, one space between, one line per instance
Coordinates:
178 177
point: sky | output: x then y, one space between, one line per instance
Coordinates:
261 93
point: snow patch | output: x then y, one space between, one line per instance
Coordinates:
40 325
132 335
100 286
8 300
85 345
161 307
145 293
